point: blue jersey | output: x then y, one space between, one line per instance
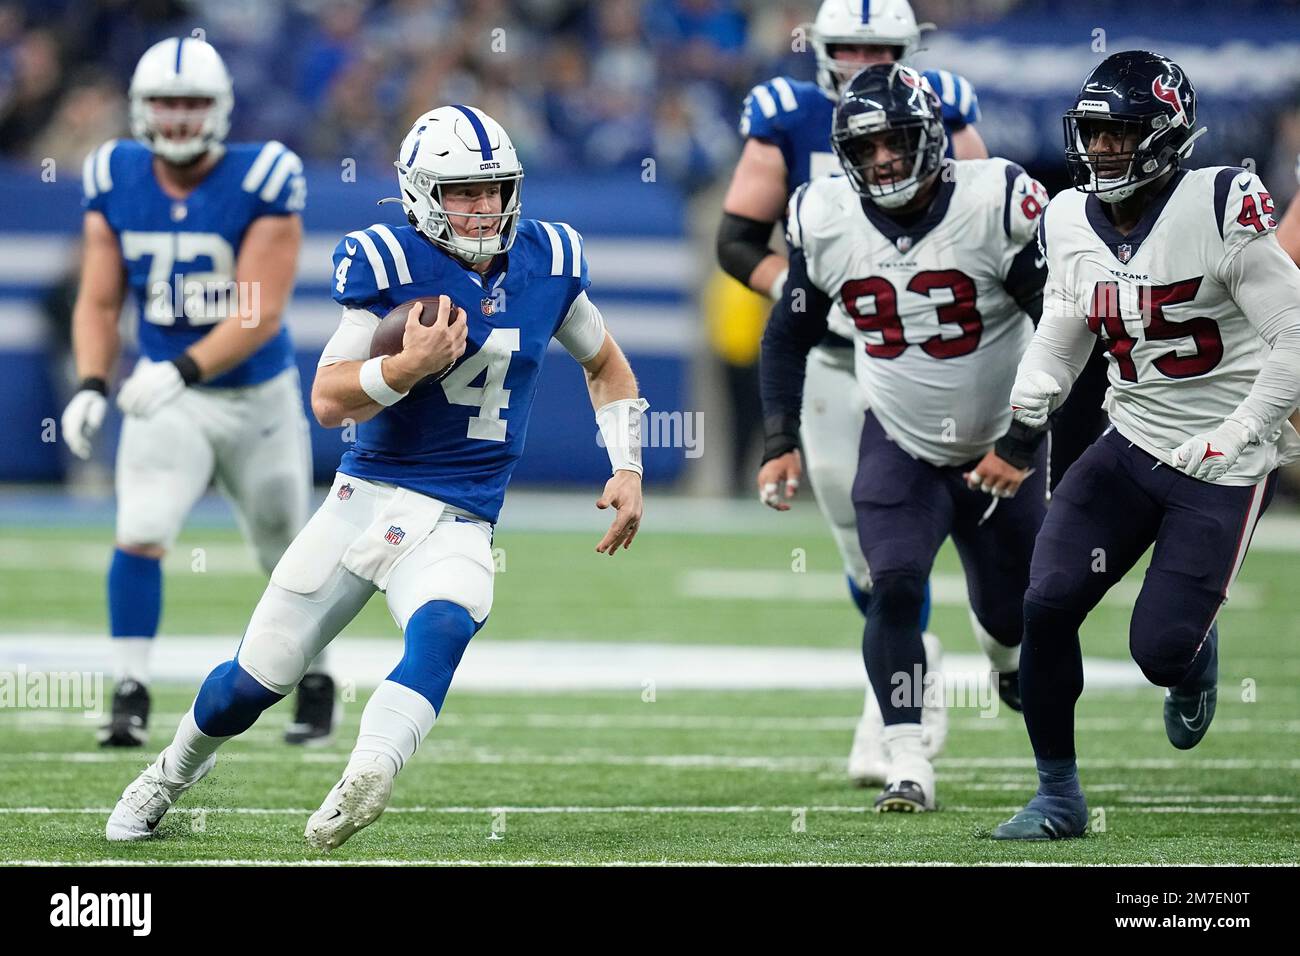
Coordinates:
796 116
459 439
180 254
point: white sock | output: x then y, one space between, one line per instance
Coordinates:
1003 659
131 656
183 757
394 722
907 760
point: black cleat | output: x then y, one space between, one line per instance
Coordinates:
129 720
1030 824
903 796
313 714
1189 707
1009 689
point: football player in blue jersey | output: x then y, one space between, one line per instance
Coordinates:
206 236
413 506
787 128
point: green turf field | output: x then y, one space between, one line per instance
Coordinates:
749 776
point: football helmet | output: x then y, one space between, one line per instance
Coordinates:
1151 105
453 145
889 97
181 66
859 23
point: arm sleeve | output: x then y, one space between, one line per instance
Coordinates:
797 323
1265 284
582 332
742 244
351 340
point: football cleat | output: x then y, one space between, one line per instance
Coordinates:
1009 689
313 714
1035 825
1189 707
146 800
354 803
904 796
129 719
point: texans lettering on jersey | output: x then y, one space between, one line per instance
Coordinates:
797 117
459 439
180 254
932 305
1181 355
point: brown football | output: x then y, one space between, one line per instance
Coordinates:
387 339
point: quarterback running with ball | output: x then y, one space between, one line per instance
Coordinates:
206 235
412 510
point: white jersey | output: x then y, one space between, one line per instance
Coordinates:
937 335
1181 355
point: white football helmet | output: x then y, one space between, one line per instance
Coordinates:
459 144
181 66
884 23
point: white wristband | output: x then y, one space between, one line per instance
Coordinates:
620 432
374 384
778 286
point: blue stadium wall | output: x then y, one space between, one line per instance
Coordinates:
640 266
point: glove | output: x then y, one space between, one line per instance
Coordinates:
82 419
1208 456
151 386
1033 398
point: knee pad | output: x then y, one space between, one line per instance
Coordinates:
436 637
280 641
230 701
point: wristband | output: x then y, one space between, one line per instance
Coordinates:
374 384
620 430
93 383
780 435
188 368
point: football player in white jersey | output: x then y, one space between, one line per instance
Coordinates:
206 235
787 124
1181 276
933 264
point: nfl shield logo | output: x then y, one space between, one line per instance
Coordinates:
903 243
1125 252
345 492
487 307
394 535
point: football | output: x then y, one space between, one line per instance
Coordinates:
387 339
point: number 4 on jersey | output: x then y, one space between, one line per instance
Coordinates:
490 397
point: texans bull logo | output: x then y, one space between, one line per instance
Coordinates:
1167 90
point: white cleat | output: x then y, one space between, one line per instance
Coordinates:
146 800
354 803
911 786
868 765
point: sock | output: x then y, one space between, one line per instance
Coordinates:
134 609
892 647
230 701
181 759
907 760
395 721
1051 679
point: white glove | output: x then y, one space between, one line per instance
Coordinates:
1208 456
82 420
1033 398
151 385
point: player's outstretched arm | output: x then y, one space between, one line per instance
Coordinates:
95 340
614 396
264 274
351 386
753 205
